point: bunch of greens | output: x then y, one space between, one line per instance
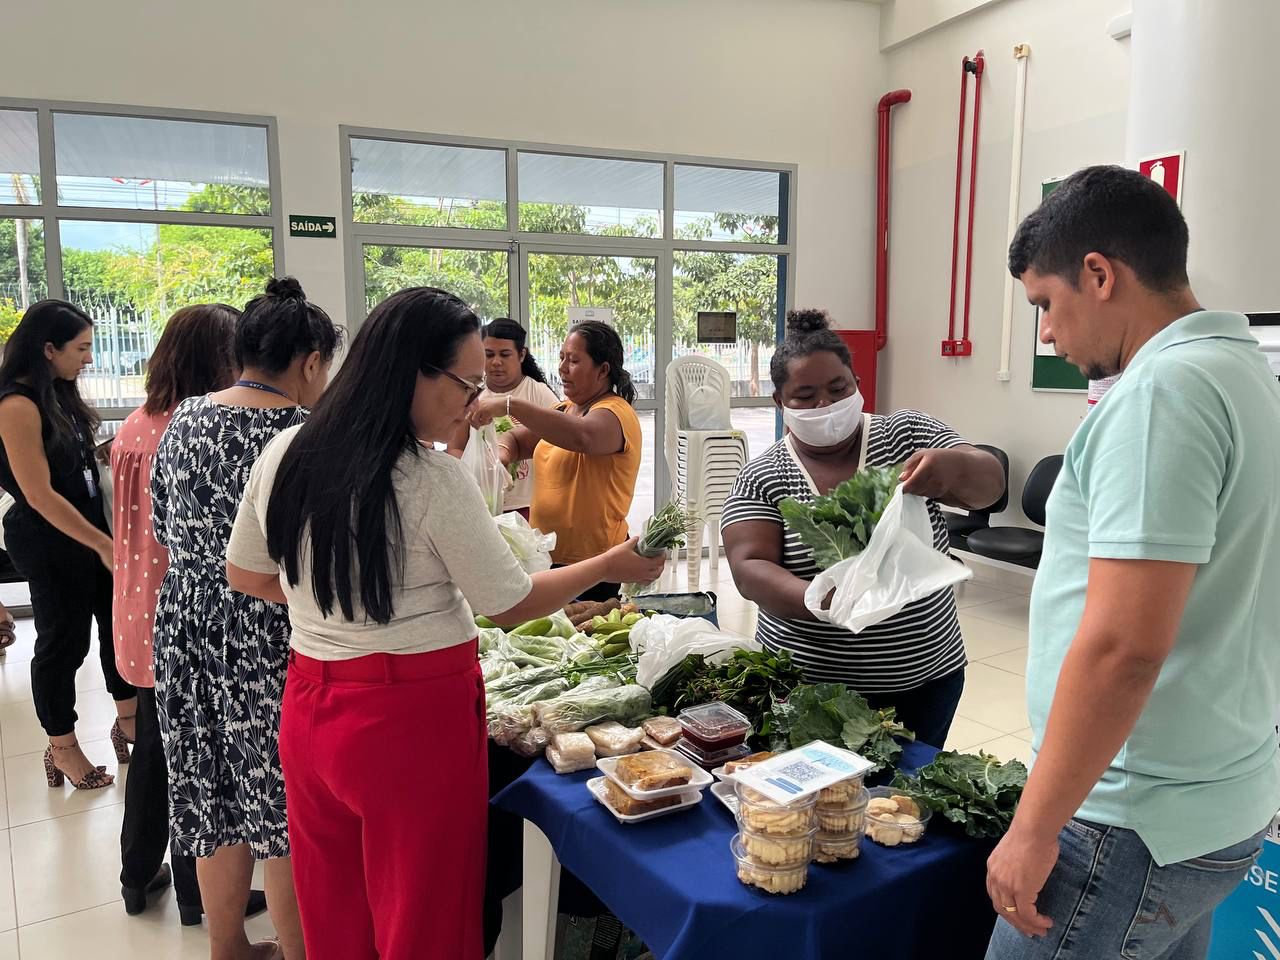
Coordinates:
833 713
838 525
977 791
665 529
749 681
506 425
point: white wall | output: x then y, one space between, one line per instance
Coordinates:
792 81
1077 99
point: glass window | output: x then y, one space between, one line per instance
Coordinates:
144 163
746 284
590 195
22 276
477 276
130 277
644 502
626 285
717 203
19 157
760 424
428 185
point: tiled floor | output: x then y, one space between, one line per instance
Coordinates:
60 852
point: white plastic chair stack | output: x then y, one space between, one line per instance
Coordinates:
704 453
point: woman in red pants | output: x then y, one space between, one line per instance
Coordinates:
382 547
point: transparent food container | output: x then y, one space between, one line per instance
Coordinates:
844 792
904 823
758 814
714 727
777 880
830 847
710 761
775 851
843 818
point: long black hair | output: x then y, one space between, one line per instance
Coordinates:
605 346
56 322
282 324
808 331
333 489
504 328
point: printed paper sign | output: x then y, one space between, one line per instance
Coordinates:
797 774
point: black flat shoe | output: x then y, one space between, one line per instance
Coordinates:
192 915
135 900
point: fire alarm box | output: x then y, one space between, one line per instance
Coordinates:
862 344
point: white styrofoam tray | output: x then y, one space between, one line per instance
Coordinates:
698 781
727 794
596 786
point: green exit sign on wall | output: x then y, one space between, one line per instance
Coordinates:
313 227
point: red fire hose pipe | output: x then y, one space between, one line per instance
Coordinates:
951 347
978 64
888 101
955 229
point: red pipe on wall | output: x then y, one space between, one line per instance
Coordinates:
955 229
887 102
979 63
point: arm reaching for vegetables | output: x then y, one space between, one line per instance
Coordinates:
597 434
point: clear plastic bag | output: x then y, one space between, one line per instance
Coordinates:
899 566
482 462
531 547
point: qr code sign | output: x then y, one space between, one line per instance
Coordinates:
801 772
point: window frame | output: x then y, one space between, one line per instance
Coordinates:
519 243
50 212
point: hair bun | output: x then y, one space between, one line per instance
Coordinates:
808 320
286 288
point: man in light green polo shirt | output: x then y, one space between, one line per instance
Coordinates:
1154 666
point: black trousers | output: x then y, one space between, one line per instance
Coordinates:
928 710
144 835
70 589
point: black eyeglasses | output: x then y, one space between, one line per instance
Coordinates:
472 389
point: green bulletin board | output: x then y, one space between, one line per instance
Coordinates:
1048 370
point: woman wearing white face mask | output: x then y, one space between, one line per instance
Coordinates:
915 660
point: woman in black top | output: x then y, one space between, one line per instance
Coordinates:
56 531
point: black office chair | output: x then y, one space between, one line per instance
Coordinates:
960 525
1019 545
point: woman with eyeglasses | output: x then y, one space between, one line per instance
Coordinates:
510 370
915 660
585 451
220 657
383 555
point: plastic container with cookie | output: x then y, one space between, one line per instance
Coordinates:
893 818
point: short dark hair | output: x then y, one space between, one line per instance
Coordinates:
195 356
808 331
1109 210
280 325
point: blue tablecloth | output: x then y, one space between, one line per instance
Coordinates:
673 881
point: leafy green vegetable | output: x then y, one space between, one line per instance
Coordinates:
749 681
665 529
503 425
977 791
838 525
837 715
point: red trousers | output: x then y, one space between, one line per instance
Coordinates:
385 764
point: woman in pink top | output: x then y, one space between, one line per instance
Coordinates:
195 356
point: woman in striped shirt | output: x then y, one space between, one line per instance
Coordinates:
914 660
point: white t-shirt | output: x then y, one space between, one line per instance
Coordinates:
530 391
455 560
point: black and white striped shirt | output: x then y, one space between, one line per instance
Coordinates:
919 644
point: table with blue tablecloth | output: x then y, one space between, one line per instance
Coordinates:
674 882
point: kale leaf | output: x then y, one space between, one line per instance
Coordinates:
976 791
833 713
839 524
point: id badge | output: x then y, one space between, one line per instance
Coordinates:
89 483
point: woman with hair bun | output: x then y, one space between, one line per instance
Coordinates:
914 660
220 656
585 451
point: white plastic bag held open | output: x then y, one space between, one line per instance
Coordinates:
899 566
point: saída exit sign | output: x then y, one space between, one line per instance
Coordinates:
326 227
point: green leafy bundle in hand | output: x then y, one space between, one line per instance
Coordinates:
838 525
977 791
833 713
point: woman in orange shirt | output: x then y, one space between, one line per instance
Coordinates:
585 451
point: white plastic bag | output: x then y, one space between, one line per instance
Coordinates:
899 566
482 462
531 547
663 641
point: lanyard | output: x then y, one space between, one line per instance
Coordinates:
86 460
255 385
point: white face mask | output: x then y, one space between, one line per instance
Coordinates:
825 426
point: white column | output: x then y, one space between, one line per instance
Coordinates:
1206 79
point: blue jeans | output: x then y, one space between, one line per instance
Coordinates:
1110 901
